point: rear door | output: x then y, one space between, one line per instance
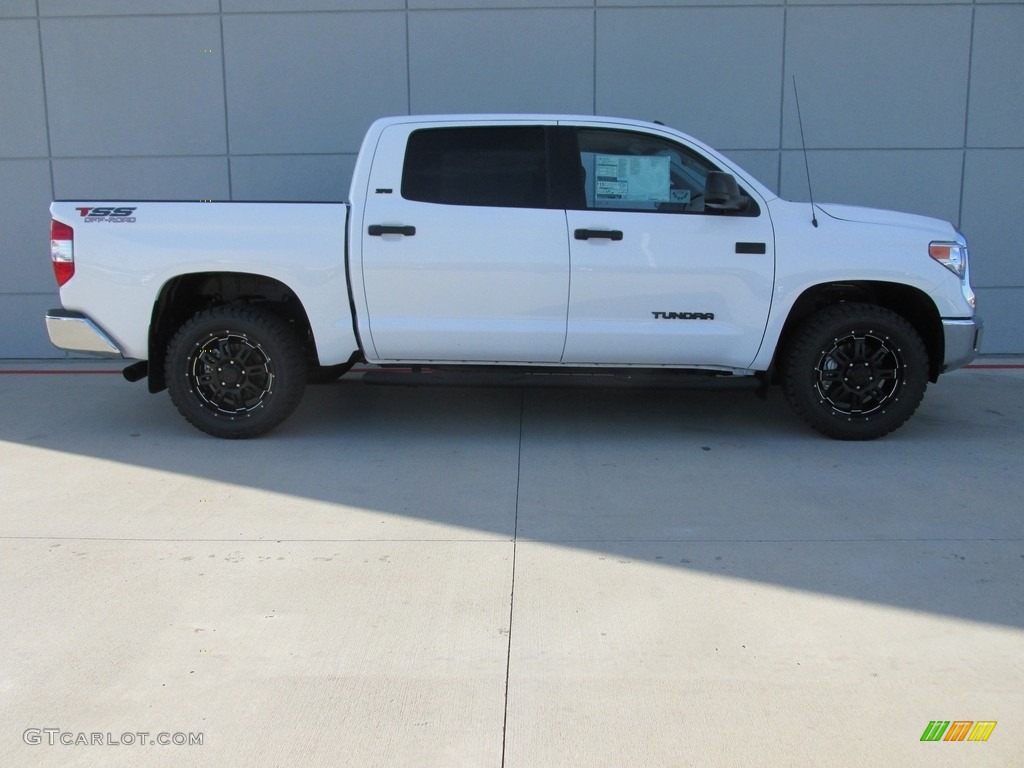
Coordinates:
463 256
658 277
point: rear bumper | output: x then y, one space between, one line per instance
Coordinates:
75 332
963 338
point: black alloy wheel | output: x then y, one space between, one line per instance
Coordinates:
855 371
235 371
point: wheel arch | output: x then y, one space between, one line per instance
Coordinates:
909 302
184 295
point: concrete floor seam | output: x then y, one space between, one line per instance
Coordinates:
512 585
255 541
552 540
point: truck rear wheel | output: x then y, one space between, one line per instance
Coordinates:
855 371
235 371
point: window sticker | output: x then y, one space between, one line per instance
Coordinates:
631 177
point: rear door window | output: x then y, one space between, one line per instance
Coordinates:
495 166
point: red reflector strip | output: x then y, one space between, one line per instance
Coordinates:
63 271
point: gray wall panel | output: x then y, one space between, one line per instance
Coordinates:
925 182
682 3
23 331
874 2
712 72
284 6
877 77
992 203
124 7
24 235
492 4
16 8
21 83
312 82
502 61
134 86
1000 309
996 116
141 178
292 177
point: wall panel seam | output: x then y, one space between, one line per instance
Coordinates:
46 106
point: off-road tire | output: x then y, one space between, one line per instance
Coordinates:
855 371
235 371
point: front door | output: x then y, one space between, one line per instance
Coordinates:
658 276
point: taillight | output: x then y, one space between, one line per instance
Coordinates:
62 251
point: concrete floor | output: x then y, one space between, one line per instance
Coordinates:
508 577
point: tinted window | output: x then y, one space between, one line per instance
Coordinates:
496 166
637 172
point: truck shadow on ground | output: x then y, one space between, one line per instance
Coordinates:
715 481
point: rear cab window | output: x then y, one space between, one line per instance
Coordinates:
495 166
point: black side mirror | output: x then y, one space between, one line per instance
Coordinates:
722 193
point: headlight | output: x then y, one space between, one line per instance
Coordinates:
953 256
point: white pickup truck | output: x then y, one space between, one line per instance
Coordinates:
531 242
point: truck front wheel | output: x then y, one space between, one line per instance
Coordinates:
235 371
855 371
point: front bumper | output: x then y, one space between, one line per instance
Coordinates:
963 338
77 333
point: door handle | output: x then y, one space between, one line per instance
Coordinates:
597 234
376 230
751 248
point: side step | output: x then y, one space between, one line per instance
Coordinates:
684 380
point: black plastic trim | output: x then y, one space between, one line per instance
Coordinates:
759 248
376 230
595 234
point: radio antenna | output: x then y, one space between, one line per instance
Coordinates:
803 143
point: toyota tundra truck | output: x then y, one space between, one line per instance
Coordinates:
526 243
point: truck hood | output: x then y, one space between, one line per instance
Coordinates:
934 227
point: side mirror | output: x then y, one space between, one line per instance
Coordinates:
722 193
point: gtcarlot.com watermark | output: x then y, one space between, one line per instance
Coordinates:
54 737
